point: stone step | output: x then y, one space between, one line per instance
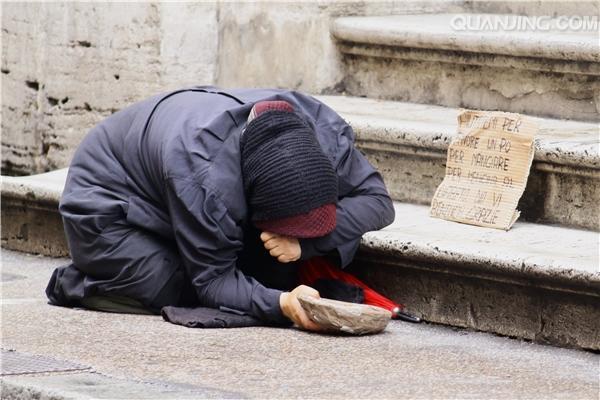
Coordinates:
30 218
536 282
435 59
408 143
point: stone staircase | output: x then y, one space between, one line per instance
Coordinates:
537 281
422 58
405 76
540 280
408 142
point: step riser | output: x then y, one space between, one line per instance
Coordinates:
561 195
33 228
565 95
518 310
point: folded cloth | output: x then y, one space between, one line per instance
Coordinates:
202 317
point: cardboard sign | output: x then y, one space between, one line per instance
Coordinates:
487 169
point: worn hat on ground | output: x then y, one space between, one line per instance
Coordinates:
290 184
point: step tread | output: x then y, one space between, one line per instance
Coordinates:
527 248
434 31
47 187
433 127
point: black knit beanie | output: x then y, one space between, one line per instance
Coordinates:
284 169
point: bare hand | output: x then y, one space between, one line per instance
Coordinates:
291 308
285 249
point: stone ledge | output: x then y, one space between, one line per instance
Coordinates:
421 59
541 283
434 31
390 133
432 128
30 218
408 142
552 253
559 258
39 189
536 282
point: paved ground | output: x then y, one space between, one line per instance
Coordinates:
145 357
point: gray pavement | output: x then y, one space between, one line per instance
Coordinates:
144 357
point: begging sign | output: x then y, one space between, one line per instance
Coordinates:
486 170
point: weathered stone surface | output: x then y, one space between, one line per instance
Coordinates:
408 143
30 218
420 58
561 142
436 31
289 44
41 189
446 294
33 228
537 282
553 257
534 281
344 317
62 72
550 8
261 362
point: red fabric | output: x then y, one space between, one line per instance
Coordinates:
315 223
263 106
319 268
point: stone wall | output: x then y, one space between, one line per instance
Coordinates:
65 66
283 44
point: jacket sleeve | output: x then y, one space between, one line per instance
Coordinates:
209 241
364 204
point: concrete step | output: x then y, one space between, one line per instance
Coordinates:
30 218
143 357
434 59
536 282
408 143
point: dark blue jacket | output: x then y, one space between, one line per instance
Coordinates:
171 165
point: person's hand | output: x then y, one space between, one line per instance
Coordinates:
291 308
285 249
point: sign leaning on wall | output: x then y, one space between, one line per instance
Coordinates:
486 170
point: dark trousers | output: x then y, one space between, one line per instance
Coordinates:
120 266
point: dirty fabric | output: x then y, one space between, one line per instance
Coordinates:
202 317
154 200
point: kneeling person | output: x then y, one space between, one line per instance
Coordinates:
211 198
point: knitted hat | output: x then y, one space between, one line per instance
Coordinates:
290 184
